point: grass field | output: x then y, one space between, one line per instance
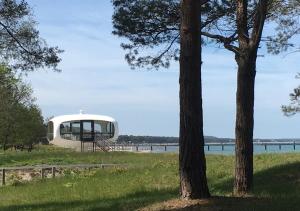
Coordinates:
148 180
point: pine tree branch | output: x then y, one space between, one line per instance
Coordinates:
204 2
212 18
166 50
14 37
225 40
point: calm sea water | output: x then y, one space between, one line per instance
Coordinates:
228 150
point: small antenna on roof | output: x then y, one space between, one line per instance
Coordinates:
81 111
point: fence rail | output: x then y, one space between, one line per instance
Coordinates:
53 168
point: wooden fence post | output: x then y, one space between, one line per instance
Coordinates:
3 176
53 172
42 173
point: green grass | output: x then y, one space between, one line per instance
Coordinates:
149 178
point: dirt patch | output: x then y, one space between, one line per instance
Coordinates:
180 204
212 204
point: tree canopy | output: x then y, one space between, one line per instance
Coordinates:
294 106
21 46
151 28
21 121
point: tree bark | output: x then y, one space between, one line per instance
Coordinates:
192 164
244 124
246 60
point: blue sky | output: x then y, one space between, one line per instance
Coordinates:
96 78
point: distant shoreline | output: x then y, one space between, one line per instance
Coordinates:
208 139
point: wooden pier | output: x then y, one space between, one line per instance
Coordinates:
208 146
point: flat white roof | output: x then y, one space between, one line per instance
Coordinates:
74 117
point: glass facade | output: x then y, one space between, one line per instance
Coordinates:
87 130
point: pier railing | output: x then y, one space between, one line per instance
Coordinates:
207 146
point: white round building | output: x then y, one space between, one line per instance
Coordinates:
82 132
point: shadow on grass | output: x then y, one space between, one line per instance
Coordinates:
278 181
276 188
129 202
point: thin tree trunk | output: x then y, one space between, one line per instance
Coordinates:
192 164
244 125
5 142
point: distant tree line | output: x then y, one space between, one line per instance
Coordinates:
163 139
126 139
146 139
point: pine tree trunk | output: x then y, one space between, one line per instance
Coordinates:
192 164
244 124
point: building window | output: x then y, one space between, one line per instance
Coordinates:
104 129
70 130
